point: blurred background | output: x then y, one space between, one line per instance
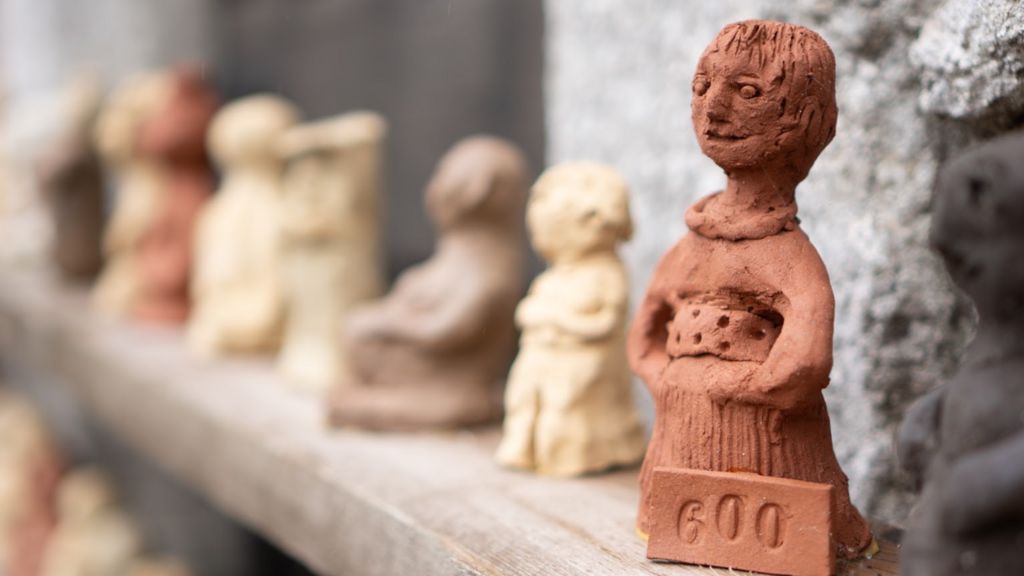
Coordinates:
607 80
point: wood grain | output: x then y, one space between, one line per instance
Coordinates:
343 502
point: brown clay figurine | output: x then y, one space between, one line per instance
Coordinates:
965 440
568 404
734 334
236 285
71 179
175 138
435 350
138 183
331 256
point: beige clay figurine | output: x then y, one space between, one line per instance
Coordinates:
331 253
433 353
93 536
568 405
138 183
30 466
734 335
238 304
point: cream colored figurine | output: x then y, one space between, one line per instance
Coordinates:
332 254
568 405
138 183
238 304
93 536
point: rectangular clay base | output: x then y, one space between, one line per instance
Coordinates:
742 521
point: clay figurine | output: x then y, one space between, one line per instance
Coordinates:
433 353
93 536
964 441
238 305
72 181
138 184
331 252
734 334
568 403
174 137
30 466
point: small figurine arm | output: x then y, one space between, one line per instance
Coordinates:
455 321
648 334
985 487
917 438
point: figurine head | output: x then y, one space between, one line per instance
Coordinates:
480 179
128 107
247 130
578 208
977 226
764 98
176 131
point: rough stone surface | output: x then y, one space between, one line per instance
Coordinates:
971 57
618 91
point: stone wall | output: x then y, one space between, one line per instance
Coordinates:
918 80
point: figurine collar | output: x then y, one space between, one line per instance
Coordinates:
709 218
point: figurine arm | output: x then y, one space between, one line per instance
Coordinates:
916 438
597 315
984 488
798 366
648 334
451 323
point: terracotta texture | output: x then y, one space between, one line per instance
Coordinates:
174 138
964 441
742 521
568 403
72 181
138 183
30 466
93 537
734 334
435 350
236 287
331 251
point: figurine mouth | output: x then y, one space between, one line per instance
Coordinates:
725 136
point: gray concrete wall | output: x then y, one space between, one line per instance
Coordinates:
618 91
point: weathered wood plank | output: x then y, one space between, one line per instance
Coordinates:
343 502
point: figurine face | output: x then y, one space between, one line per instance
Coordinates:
247 131
462 181
576 209
978 207
764 96
736 108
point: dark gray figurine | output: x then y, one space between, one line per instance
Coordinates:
964 442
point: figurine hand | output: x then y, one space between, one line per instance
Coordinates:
530 313
916 439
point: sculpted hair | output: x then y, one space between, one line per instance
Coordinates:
806 69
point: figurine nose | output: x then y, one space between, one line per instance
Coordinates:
717 109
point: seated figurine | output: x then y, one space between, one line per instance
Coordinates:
965 440
238 305
138 183
174 138
734 334
568 404
330 240
434 352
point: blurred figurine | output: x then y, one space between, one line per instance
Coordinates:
236 284
93 536
138 185
568 404
71 180
331 231
434 351
30 466
175 138
157 567
965 440
734 334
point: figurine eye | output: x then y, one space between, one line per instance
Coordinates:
700 86
749 91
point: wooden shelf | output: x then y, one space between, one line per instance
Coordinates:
342 502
